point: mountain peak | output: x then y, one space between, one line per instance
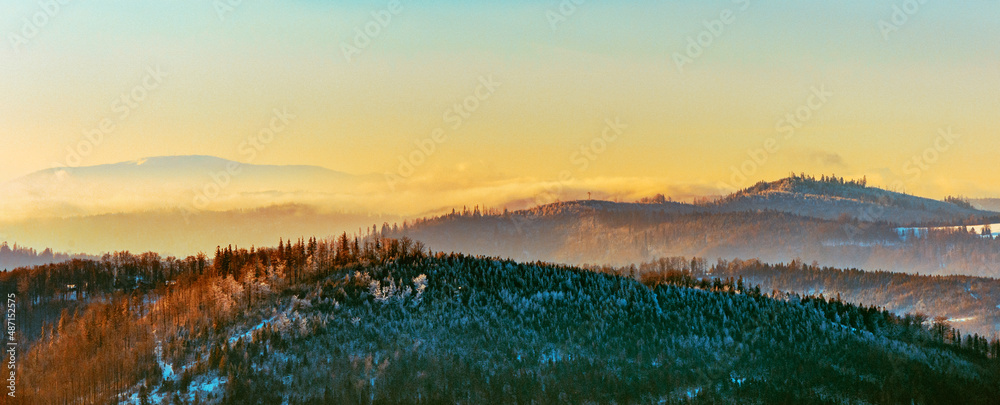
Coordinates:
832 197
172 160
170 165
168 182
824 185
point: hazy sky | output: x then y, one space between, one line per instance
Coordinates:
870 96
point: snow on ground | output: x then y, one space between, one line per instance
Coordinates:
209 386
857 243
202 386
918 232
154 398
248 334
813 291
555 356
962 319
168 369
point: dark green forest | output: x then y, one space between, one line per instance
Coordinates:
379 320
968 301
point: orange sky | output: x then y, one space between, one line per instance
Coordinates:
199 82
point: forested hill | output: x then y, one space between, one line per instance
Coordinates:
653 206
833 197
19 256
837 222
621 234
989 204
382 321
970 304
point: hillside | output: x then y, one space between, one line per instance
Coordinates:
19 256
179 233
833 198
971 304
381 321
583 207
824 198
835 222
621 234
989 204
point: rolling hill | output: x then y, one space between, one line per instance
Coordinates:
989 204
829 198
836 223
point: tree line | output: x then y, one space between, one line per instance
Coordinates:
375 319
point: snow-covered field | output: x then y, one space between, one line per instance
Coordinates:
918 232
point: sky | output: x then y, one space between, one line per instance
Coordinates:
685 97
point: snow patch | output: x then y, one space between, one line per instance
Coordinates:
206 384
248 334
555 356
154 398
921 232
859 243
168 369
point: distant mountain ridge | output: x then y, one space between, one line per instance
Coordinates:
192 182
841 223
824 198
174 166
584 206
836 198
17 256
